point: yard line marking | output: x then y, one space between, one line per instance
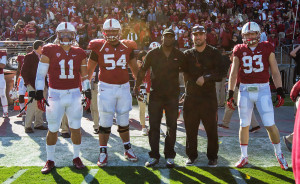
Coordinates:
165 176
15 176
237 176
90 177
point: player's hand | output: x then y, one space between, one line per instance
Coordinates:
200 81
295 91
280 97
136 91
181 100
88 94
41 101
230 100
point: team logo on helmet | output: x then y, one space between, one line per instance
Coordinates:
251 27
154 45
112 30
66 31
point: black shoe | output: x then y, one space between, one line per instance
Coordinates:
213 163
65 135
42 127
170 163
96 131
254 129
151 162
190 162
28 130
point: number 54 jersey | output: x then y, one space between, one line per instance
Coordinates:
113 60
64 68
254 65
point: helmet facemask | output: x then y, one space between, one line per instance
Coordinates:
66 37
112 35
251 41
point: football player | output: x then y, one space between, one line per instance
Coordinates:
3 58
113 56
251 61
65 64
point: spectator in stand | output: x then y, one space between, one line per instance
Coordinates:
31 31
225 39
263 35
151 18
183 42
212 37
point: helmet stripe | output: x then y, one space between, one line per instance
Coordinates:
110 23
249 26
66 27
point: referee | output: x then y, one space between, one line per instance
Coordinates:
202 69
165 63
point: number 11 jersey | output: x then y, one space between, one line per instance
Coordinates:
64 68
254 65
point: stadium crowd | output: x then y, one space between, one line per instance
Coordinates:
144 21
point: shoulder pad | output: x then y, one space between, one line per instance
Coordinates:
96 44
129 43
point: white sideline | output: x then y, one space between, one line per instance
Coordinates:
237 176
165 176
15 176
89 178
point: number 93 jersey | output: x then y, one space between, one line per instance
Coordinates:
113 60
64 68
254 65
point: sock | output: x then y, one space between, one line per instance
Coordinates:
244 148
5 108
22 105
127 145
76 149
50 152
277 148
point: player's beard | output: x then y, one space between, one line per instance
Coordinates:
199 43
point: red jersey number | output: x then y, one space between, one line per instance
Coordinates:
63 69
248 64
109 59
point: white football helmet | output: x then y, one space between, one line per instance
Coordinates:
13 94
154 45
66 30
251 27
112 30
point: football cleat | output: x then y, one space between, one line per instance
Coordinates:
48 167
21 114
5 115
282 161
144 132
78 163
129 155
102 161
242 162
151 162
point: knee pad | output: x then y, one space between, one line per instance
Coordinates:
123 129
106 119
122 119
104 130
75 124
2 92
53 126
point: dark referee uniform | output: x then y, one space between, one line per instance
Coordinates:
164 95
201 101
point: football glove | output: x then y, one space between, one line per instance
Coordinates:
230 101
86 100
279 97
41 101
295 91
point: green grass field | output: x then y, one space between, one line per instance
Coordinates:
131 175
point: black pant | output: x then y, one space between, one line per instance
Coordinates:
156 106
195 110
